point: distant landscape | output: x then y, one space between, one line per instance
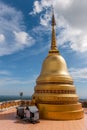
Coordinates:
9 98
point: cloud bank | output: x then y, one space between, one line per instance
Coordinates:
79 73
13 35
71 18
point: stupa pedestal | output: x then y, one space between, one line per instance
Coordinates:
55 94
61 112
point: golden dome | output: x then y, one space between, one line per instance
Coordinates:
54 65
54 69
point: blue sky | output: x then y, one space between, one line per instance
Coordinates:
25 37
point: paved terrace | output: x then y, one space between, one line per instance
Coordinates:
8 121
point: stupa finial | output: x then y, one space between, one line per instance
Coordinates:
53 42
53 17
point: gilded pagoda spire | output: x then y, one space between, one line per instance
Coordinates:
54 93
53 41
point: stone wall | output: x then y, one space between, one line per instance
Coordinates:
9 104
14 103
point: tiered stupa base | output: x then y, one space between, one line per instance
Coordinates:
61 112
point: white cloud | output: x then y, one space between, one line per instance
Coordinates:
13 86
13 35
71 16
79 73
23 38
9 84
44 19
62 4
15 81
2 38
37 7
5 73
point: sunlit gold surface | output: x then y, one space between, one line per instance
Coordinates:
61 112
55 94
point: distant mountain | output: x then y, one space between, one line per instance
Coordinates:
8 98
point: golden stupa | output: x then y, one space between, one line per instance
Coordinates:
55 94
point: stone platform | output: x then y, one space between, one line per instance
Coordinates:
8 121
